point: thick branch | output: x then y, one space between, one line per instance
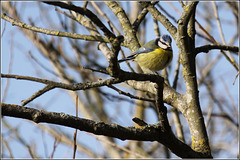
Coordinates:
162 110
99 128
149 133
113 68
130 38
188 11
170 95
193 112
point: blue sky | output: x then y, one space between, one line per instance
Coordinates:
16 45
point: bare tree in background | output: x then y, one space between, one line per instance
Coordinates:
190 126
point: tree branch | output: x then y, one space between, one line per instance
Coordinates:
73 87
148 133
193 112
88 13
141 17
207 48
161 109
130 95
37 94
170 96
160 17
130 38
52 32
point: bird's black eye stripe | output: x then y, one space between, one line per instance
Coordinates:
163 42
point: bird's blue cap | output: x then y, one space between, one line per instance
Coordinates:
166 38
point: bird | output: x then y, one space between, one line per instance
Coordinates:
154 55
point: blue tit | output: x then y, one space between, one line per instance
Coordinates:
154 55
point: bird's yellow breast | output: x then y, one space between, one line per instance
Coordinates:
155 60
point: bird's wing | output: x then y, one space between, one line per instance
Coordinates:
139 51
143 50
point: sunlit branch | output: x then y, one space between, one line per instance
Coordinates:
52 32
148 133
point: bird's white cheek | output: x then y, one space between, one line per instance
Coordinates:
162 46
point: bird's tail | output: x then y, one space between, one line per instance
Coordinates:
132 57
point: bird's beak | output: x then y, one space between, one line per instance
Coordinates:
169 46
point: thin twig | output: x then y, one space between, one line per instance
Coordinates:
54 148
160 17
65 138
96 70
112 97
139 19
3 30
220 27
105 17
127 62
41 65
4 95
85 4
119 147
4 142
75 133
176 73
207 69
206 32
225 116
219 104
231 59
20 139
230 96
235 77
37 94
130 95
170 16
